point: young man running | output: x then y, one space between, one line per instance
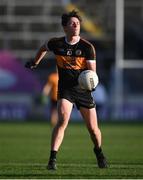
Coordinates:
73 55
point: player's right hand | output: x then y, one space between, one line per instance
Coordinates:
30 65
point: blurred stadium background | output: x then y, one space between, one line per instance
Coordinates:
115 27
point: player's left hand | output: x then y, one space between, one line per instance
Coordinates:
30 65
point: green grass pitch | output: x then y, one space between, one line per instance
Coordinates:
24 152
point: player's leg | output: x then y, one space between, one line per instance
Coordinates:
54 116
90 118
54 113
64 112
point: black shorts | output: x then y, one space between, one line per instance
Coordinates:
80 98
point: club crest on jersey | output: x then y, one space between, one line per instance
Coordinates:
69 52
78 52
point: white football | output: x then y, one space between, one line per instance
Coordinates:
88 80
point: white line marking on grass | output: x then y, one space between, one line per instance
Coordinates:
41 164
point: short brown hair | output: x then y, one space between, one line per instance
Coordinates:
66 17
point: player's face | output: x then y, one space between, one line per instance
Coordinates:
73 27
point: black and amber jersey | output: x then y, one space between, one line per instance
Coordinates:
71 59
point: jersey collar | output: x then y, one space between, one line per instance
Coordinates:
72 43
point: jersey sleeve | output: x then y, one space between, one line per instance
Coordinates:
49 45
90 53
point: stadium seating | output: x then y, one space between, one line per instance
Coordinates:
26 24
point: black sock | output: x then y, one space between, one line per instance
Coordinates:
53 154
98 150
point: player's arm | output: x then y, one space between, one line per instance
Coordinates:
91 61
91 65
47 89
46 92
91 58
39 56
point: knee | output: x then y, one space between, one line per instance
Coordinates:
63 120
62 123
